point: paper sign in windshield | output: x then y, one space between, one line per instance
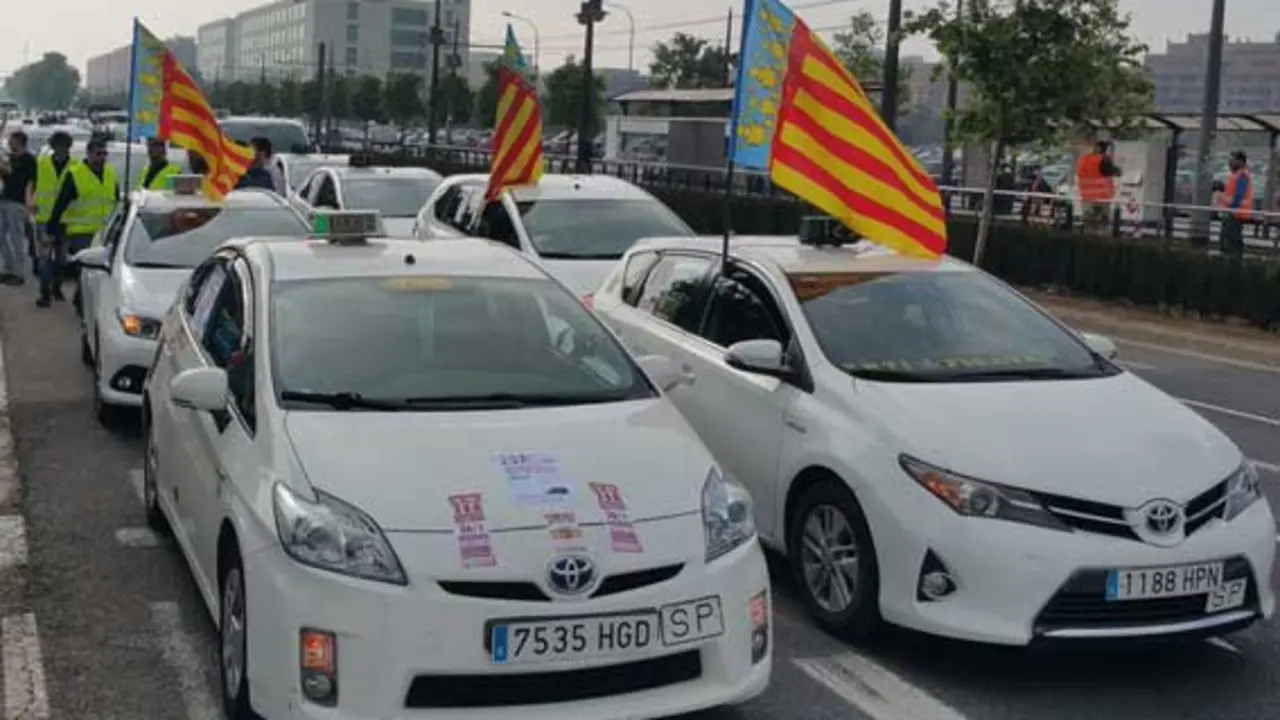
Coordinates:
474 544
622 534
534 479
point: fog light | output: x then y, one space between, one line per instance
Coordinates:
935 581
318 665
759 612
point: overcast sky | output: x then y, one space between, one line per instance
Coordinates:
83 28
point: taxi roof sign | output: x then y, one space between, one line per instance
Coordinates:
346 226
186 184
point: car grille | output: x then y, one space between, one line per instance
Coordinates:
507 689
1104 519
1081 603
531 592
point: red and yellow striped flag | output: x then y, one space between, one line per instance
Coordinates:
800 115
517 140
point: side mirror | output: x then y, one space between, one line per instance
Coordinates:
200 389
94 258
664 372
762 357
1101 344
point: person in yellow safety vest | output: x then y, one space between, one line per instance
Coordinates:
155 176
1237 200
88 195
51 251
1095 179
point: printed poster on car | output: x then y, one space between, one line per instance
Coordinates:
622 534
534 479
474 544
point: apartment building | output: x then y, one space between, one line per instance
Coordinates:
108 73
1250 75
374 37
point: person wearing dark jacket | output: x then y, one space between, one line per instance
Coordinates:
257 176
85 201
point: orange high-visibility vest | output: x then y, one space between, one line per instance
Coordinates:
1094 186
1245 211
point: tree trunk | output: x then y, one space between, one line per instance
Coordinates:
988 204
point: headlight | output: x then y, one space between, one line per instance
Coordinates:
138 325
332 535
726 515
1242 491
978 498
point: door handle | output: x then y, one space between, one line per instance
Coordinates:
795 425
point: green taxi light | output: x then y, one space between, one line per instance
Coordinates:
352 226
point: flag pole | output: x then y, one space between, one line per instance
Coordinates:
730 170
127 181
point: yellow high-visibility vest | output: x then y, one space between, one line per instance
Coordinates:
95 199
159 182
48 183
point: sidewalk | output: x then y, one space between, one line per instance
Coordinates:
1230 343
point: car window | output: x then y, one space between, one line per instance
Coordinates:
202 292
239 363
935 326
434 340
447 204
115 230
285 137
596 229
392 197
304 192
741 309
327 194
675 290
464 214
495 224
185 237
224 326
633 275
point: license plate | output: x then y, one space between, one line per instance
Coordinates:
1227 597
1164 582
519 641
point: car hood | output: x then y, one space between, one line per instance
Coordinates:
150 291
1116 440
580 276
401 467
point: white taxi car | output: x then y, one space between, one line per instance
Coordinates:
131 274
468 514
396 193
576 226
930 448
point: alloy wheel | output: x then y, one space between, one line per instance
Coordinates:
829 558
233 633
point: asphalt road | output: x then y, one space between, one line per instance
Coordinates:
101 621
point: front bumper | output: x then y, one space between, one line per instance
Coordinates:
1018 584
402 648
124 360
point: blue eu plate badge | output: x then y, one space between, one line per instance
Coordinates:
500 644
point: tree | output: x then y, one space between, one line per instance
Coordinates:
860 47
47 84
265 97
366 101
289 97
486 102
1039 72
402 99
562 101
457 100
240 97
340 96
687 62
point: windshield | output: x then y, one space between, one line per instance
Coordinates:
392 197
285 137
937 327
185 237
596 229
442 343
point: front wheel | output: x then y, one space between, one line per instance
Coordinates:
233 642
834 560
150 486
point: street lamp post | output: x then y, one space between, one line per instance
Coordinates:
1200 227
953 90
889 95
537 42
631 43
591 13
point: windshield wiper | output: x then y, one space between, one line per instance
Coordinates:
578 256
1035 373
897 376
341 400
159 266
512 400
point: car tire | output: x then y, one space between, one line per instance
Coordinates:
86 352
233 640
828 509
150 489
108 415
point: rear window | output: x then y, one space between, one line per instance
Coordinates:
600 229
285 137
392 197
185 237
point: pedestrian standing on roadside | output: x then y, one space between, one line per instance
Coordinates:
89 193
1237 200
51 249
17 202
1096 175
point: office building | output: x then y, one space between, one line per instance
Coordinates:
1250 75
373 37
108 73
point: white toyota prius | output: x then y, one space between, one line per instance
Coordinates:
421 480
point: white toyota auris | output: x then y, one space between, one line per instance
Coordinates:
421 480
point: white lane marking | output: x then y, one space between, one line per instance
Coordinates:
180 652
1224 645
1132 365
1274 422
135 481
13 542
137 537
9 478
1266 467
878 693
25 694
1242 364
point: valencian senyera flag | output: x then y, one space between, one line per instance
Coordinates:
800 115
517 136
166 104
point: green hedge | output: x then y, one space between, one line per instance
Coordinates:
1146 272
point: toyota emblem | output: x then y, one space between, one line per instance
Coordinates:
571 574
1163 517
